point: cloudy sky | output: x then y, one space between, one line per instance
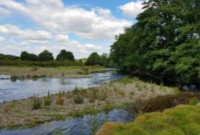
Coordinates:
80 26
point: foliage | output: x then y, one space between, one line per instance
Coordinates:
193 101
60 100
164 43
47 100
28 56
161 103
8 57
93 59
96 59
45 56
38 63
36 103
78 100
65 55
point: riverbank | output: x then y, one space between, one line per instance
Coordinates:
38 72
180 120
33 111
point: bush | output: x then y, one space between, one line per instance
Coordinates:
193 101
78 100
60 100
47 100
65 55
36 103
163 102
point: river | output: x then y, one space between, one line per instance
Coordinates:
86 125
21 89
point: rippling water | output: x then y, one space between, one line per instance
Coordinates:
86 125
21 89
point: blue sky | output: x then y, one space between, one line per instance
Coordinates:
80 26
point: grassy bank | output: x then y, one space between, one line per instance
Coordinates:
181 120
32 111
21 63
34 72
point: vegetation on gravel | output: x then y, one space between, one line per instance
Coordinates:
32 111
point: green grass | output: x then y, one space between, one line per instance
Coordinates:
78 100
181 120
33 72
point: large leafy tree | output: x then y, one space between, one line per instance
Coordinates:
164 43
45 56
28 56
65 55
93 59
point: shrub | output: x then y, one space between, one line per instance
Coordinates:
36 103
162 102
13 78
47 100
78 100
193 101
76 90
60 99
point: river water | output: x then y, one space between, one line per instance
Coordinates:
21 89
86 125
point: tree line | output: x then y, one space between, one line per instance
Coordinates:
47 56
93 59
164 43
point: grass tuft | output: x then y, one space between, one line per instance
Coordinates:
47 100
78 100
36 103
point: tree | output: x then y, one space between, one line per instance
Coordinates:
93 59
8 57
28 56
33 57
104 60
45 56
65 55
164 43
24 55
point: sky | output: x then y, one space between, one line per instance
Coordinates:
80 26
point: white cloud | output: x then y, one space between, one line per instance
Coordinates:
56 21
62 38
2 39
95 24
52 3
37 41
132 9
28 34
